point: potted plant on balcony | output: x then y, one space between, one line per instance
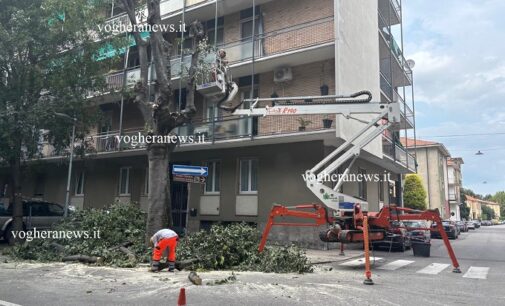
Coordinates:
303 124
327 122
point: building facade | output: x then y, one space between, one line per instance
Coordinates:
455 183
432 165
321 47
476 204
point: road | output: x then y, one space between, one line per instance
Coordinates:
400 279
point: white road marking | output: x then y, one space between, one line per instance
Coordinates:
433 268
477 272
395 264
359 262
4 303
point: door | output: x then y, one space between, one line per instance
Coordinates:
179 197
246 34
248 125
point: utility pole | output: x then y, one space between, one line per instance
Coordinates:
69 174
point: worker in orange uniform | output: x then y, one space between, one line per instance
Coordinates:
161 240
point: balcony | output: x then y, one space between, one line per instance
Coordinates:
225 130
392 95
397 153
392 10
294 45
392 62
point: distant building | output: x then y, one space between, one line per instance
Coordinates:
432 166
475 206
454 180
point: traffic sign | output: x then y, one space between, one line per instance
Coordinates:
190 170
189 179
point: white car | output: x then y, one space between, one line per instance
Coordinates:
470 224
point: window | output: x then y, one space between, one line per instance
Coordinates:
212 185
248 176
211 31
55 210
362 184
246 20
79 183
39 209
124 181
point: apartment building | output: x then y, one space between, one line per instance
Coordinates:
454 180
432 164
278 48
476 204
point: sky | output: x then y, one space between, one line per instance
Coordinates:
459 82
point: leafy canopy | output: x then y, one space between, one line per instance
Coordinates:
414 195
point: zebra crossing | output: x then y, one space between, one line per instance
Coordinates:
431 269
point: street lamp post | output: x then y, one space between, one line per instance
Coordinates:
69 174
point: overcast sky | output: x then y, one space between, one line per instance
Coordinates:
459 77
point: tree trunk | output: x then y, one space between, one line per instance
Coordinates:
16 200
158 214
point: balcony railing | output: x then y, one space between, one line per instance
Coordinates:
222 129
394 47
284 40
393 96
397 153
299 36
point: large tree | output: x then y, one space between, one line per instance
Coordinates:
162 115
46 66
499 198
414 195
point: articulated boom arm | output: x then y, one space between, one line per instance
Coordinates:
387 115
348 217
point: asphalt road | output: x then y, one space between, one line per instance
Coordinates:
400 279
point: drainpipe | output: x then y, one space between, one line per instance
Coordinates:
336 31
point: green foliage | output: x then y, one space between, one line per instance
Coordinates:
236 246
224 247
414 195
487 213
46 66
464 211
499 198
117 225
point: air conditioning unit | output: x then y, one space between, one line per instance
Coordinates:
283 74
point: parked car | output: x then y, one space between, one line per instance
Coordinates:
397 238
463 228
486 223
470 225
414 231
36 214
477 223
449 227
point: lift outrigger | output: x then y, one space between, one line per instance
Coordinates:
347 217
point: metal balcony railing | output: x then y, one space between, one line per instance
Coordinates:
299 36
393 96
206 131
395 49
397 153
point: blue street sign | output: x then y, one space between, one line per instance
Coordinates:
190 170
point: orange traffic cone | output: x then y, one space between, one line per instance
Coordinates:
182 298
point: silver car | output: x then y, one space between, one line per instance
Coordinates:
36 214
